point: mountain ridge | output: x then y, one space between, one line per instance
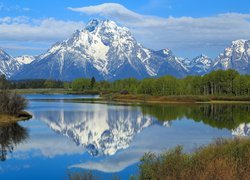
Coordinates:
104 50
110 52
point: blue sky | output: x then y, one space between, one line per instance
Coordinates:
188 27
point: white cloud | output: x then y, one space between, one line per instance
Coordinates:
180 34
25 29
17 8
48 146
16 46
175 32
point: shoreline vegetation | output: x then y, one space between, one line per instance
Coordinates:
175 99
12 105
9 119
222 159
141 98
217 86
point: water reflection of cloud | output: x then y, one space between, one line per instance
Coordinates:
47 146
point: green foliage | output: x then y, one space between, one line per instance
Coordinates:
216 83
35 84
66 85
129 84
3 82
81 84
50 84
147 86
92 82
223 159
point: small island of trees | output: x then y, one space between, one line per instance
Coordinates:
10 103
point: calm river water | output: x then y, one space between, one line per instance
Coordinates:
66 136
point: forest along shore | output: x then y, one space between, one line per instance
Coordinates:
217 86
142 98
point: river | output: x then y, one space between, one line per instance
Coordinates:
67 136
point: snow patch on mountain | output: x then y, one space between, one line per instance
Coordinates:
237 57
8 65
201 65
107 51
104 50
25 59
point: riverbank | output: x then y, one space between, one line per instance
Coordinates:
139 98
54 91
223 159
175 99
22 116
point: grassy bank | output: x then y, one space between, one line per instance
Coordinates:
53 91
6 119
140 98
223 159
176 99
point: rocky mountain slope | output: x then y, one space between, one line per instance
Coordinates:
237 57
8 65
103 50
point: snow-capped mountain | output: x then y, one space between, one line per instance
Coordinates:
200 65
8 65
103 131
237 57
25 59
108 51
103 50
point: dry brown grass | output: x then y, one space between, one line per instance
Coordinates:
155 99
7 119
224 159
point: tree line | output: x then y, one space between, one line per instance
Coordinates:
219 82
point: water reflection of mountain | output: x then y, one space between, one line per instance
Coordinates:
10 136
102 131
242 130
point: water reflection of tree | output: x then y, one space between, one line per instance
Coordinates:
10 136
220 116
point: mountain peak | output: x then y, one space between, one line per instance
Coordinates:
239 42
105 50
202 56
92 25
25 59
235 57
8 65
